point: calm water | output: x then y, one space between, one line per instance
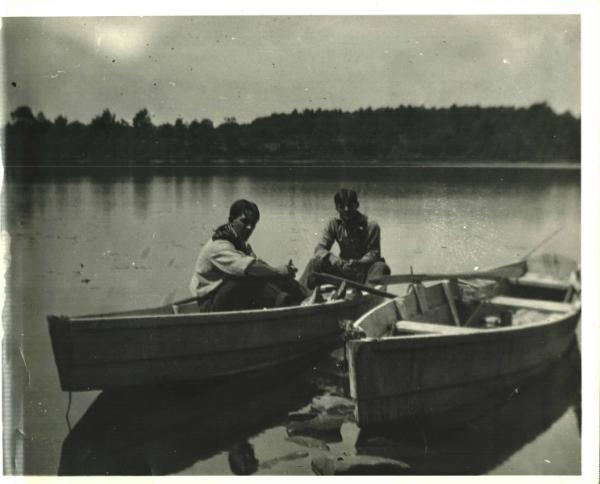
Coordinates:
84 242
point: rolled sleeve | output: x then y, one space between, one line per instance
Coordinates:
373 252
325 241
229 260
217 260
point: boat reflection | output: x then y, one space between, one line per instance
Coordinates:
164 430
479 438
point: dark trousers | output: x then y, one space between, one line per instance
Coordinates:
252 293
363 275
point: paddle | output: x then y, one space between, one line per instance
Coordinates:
184 301
551 236
339 280
511 270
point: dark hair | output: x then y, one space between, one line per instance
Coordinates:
244 207
345 196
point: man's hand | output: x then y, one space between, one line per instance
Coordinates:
335 261
260 268
288 270
292 269
351 269
351 265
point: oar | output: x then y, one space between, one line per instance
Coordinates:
547 239
324 277
512 270
339 280
495 274
183 301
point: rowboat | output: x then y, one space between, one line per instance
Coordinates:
177 343
447 344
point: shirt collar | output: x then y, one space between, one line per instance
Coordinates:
360 219
234 232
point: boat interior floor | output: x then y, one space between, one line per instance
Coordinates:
449 308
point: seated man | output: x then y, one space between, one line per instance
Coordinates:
359 242
228 275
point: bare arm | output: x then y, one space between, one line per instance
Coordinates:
261 269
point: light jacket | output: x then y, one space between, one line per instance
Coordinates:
359 240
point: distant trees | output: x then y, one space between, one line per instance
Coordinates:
404 133
201 140
22 115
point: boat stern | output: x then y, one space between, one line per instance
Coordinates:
60 336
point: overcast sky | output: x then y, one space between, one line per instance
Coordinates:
246 67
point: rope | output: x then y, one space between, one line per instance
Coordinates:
542 243
68 410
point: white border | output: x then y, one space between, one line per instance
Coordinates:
49 8
590 107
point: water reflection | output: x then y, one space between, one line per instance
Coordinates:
141 191
242 460
168 429
483 436
103 192
179 191
165 430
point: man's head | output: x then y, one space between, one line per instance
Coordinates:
243 217
346 204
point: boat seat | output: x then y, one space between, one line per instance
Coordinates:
537 304
417 327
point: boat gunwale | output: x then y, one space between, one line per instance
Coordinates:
184 319
477 333
570 309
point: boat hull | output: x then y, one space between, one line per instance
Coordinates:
154 347
392 379
448 345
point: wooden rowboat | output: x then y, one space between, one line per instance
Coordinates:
451 343
176 343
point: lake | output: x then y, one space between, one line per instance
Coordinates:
90 241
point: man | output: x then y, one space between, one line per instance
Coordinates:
359 240
228 276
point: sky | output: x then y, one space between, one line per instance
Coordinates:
211 67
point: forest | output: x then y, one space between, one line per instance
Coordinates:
386 135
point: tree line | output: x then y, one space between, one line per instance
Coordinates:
404 133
